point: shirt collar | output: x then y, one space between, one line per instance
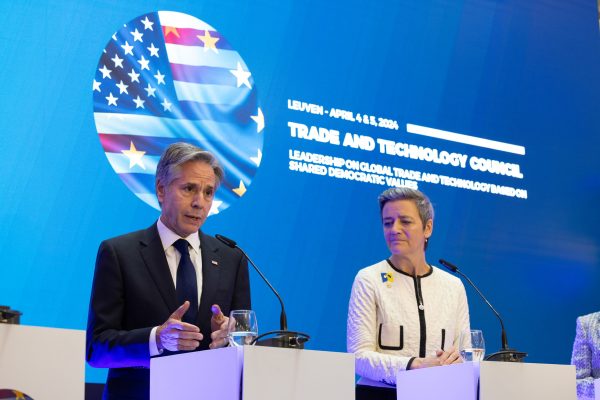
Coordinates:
168 237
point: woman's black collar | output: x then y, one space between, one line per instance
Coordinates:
404 273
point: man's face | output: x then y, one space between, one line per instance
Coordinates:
186 201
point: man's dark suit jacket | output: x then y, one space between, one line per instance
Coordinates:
133 291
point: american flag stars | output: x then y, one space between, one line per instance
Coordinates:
160 78
133 88
166 105
144 63
127 48
139 103
137 36
150 90
134 76
153 50
118 61
147 23
105 72
122 88
111 99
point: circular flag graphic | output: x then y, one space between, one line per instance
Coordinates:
11 394
168 77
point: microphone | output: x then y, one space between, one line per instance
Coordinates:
8 316
283 316
286 338
506 353
228 242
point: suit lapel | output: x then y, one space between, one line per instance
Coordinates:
154 256
210 274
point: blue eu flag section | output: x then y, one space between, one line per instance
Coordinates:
313 110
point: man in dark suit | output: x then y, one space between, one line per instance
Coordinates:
164 289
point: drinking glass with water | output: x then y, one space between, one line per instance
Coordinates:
472 345
242 328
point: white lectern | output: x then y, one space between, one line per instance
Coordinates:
44 363
497 381
253 373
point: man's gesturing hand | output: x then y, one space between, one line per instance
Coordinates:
176 335
218 324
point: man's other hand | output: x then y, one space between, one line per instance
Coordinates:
176 335
218 324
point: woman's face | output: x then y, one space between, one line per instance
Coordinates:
402 227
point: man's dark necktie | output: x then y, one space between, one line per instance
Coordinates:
187 286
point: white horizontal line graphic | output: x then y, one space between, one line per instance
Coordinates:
466 139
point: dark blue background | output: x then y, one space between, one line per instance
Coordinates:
523 72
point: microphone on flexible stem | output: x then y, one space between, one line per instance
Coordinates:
284 337
506 353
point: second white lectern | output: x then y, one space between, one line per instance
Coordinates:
253 373
494 380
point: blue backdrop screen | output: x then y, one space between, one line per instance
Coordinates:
489 107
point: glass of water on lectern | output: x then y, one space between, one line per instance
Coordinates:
242 328
472 345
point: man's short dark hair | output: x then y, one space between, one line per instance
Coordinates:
180 153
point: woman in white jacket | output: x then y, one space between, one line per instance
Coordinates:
404 313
